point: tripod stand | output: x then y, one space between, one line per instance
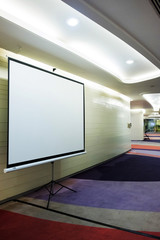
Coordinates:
50 187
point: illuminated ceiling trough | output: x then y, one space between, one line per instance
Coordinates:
81 36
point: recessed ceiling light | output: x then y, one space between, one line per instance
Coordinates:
72 22
130 61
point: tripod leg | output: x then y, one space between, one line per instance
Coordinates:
50 193
50 188
65 186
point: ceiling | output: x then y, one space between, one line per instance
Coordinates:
135 22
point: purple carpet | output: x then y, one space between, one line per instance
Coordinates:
138 196
129 182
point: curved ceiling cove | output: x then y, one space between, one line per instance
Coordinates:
81 36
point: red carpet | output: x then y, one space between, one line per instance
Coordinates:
21 227
145 147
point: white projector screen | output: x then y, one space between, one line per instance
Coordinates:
45 116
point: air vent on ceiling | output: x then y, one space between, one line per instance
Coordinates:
156 5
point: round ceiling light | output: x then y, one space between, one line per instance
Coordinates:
72 22
130 61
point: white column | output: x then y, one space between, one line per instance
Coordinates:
137 129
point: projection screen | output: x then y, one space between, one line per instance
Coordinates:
46 119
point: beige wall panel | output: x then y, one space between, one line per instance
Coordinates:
107 134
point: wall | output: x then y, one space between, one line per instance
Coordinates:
137 129
107 136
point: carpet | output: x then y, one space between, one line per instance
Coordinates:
145 150
153 137
21 227
122 192
135 196
138 146
129 182
128 167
